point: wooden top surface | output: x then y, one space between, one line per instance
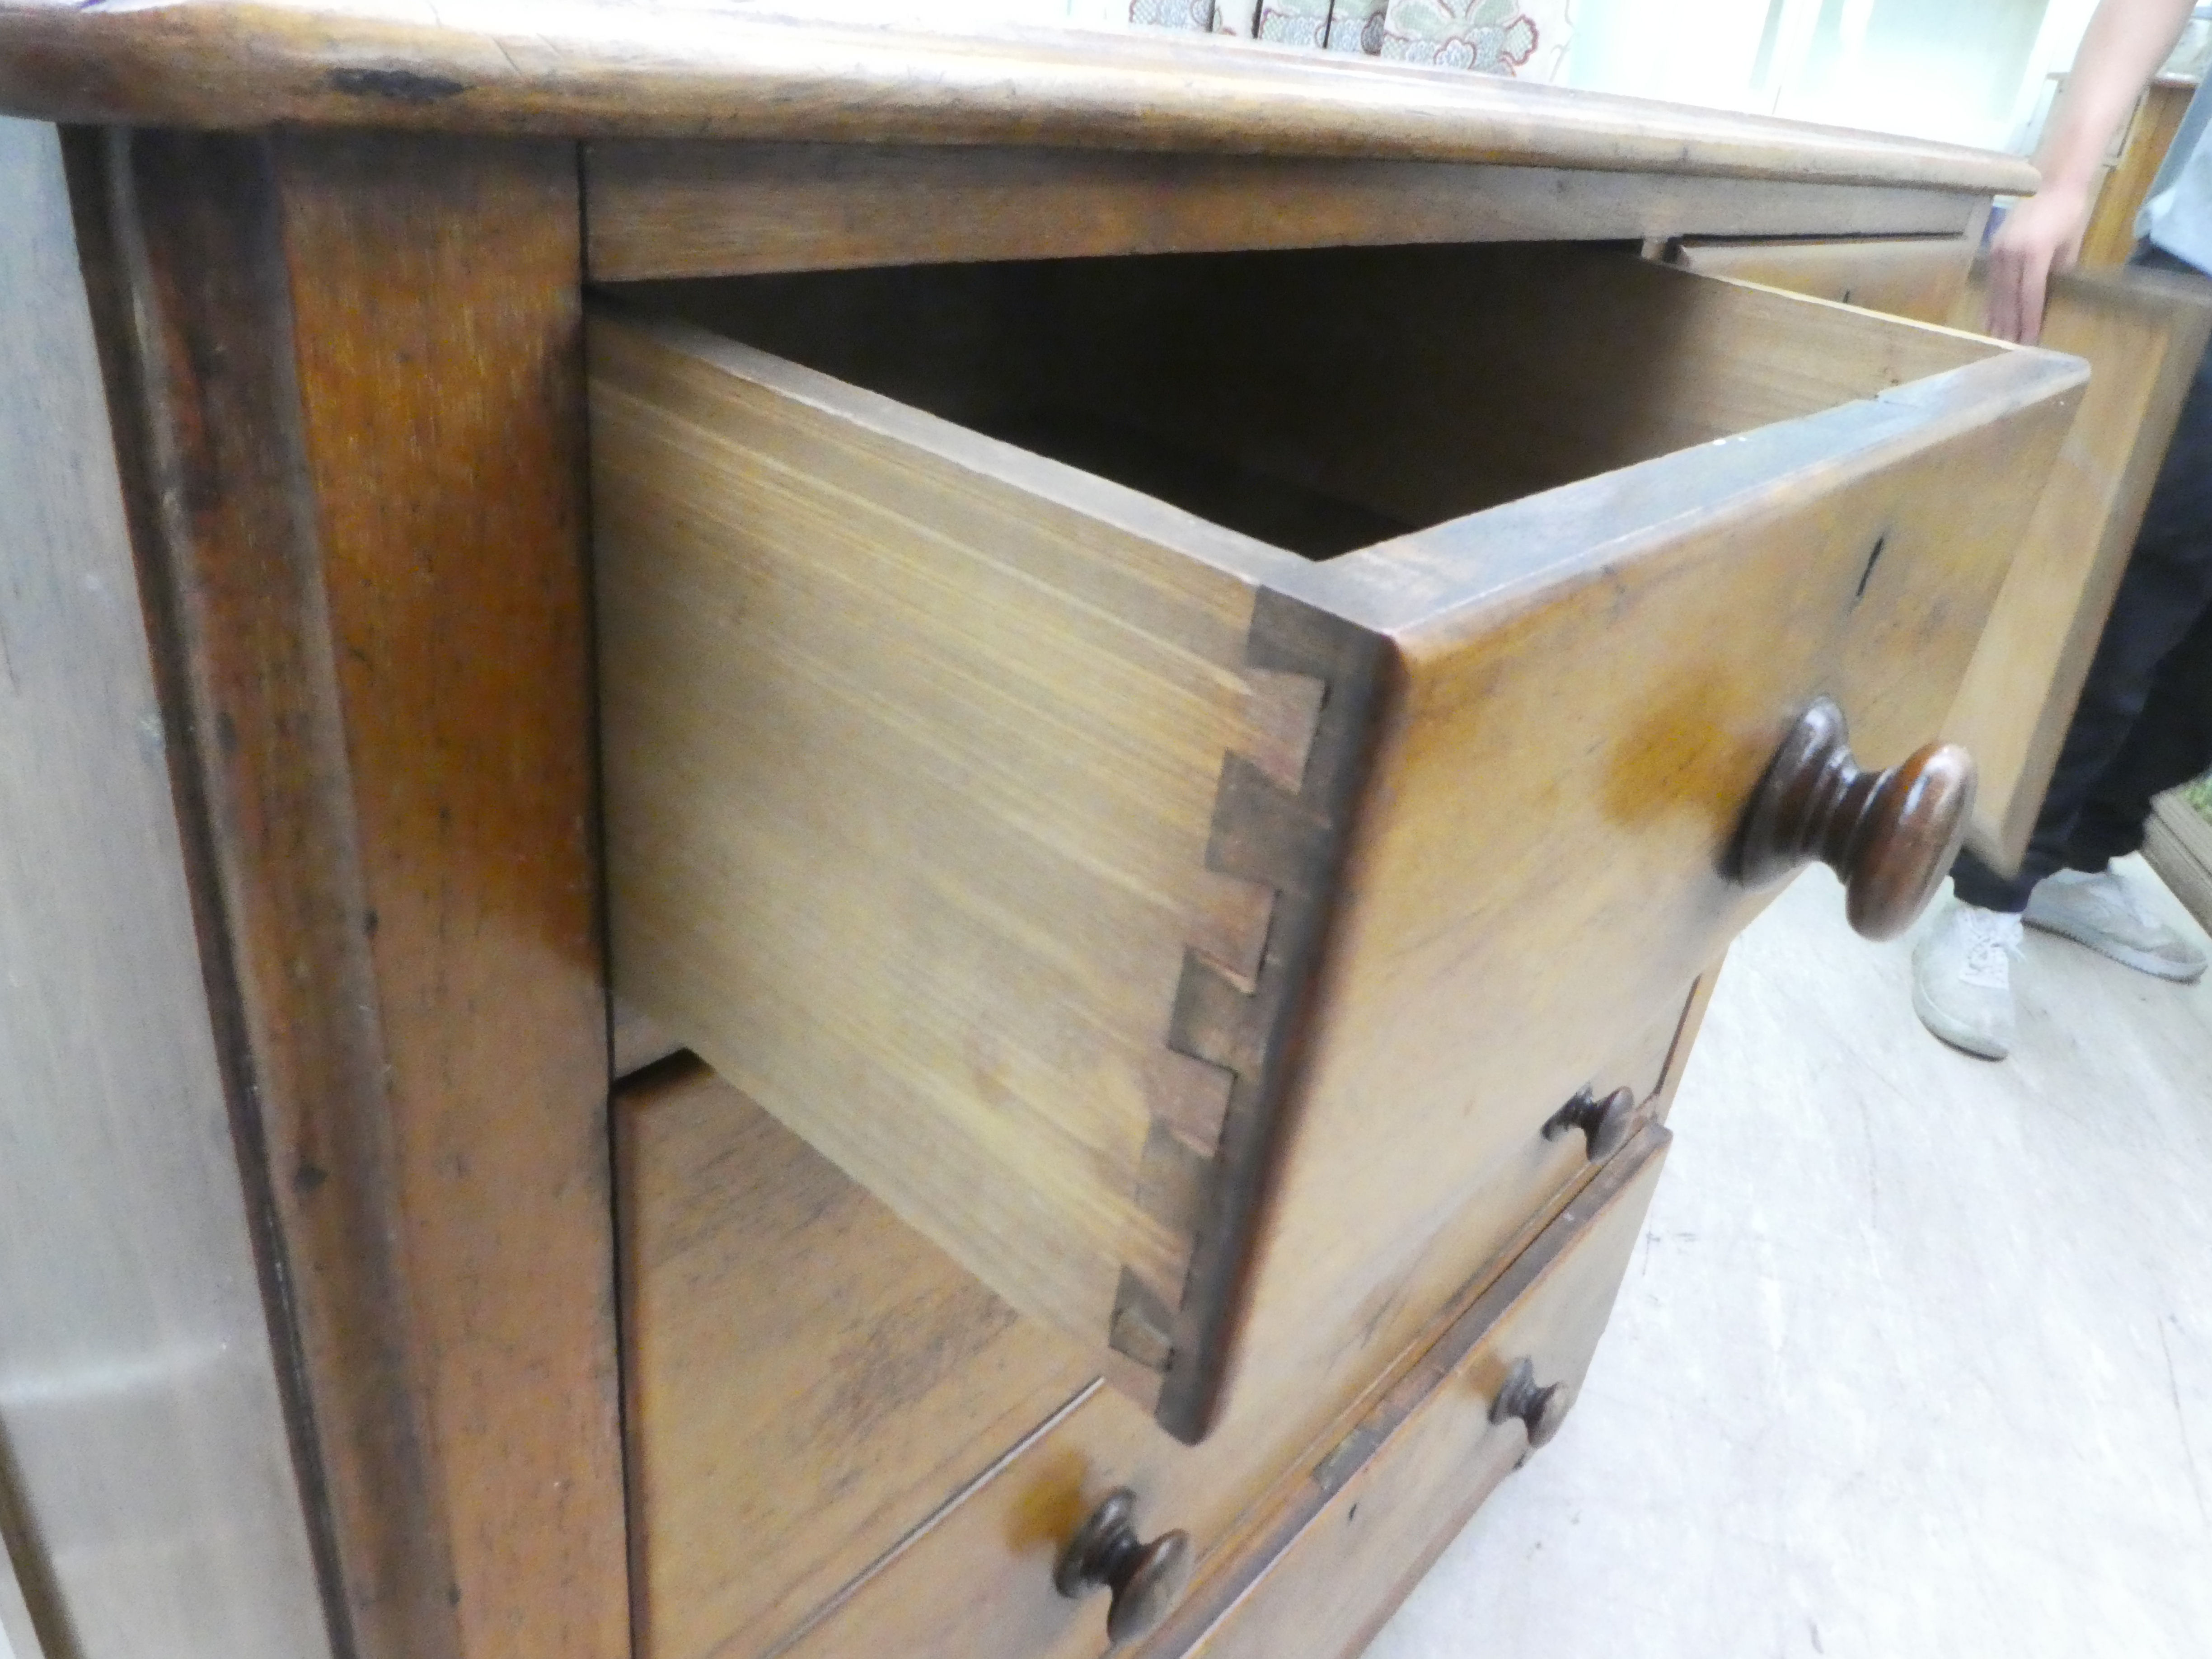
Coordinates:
713 68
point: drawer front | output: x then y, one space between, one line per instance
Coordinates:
1376 1513
808 1383
1181 851
2142 333
1922 278
1587 688
979 1582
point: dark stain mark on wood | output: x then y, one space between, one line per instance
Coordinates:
1867 575
397 86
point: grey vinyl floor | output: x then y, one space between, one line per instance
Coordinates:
1915 1355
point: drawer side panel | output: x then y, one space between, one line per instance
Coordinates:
1919 277
912 775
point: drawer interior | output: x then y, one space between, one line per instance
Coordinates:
806 1379
1324 401
810 1383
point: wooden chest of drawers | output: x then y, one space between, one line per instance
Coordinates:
1174 660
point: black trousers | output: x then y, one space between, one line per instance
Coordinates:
2144 723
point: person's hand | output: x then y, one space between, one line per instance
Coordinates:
2041 235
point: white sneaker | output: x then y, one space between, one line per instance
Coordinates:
2102 912
1962 979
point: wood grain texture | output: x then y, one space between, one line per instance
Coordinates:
977 1581
200 316
808 1380
1338 1556
154 1499
833 859
2143 333
1078 1179
441 401
717 70
1284 829
1921 277
1612 362
915 1505
362 508
636 1041
662 209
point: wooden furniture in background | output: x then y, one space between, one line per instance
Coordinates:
2140 151
2143 333
2180 848
307 1022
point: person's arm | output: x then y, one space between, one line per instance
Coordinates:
2126 42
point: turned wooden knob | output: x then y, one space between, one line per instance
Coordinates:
1891 836
1605 1123
1146 1578
1540 1410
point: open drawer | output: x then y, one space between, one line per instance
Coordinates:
1170 771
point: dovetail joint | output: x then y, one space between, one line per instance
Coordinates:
1277 825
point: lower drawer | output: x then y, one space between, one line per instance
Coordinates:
1318 1565
1377 1512
841 1442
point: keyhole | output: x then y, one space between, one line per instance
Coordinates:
1867 575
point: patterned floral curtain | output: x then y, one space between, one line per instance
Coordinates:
1497 37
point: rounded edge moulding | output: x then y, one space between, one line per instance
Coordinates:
587 68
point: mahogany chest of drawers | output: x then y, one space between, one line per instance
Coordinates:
1168 666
